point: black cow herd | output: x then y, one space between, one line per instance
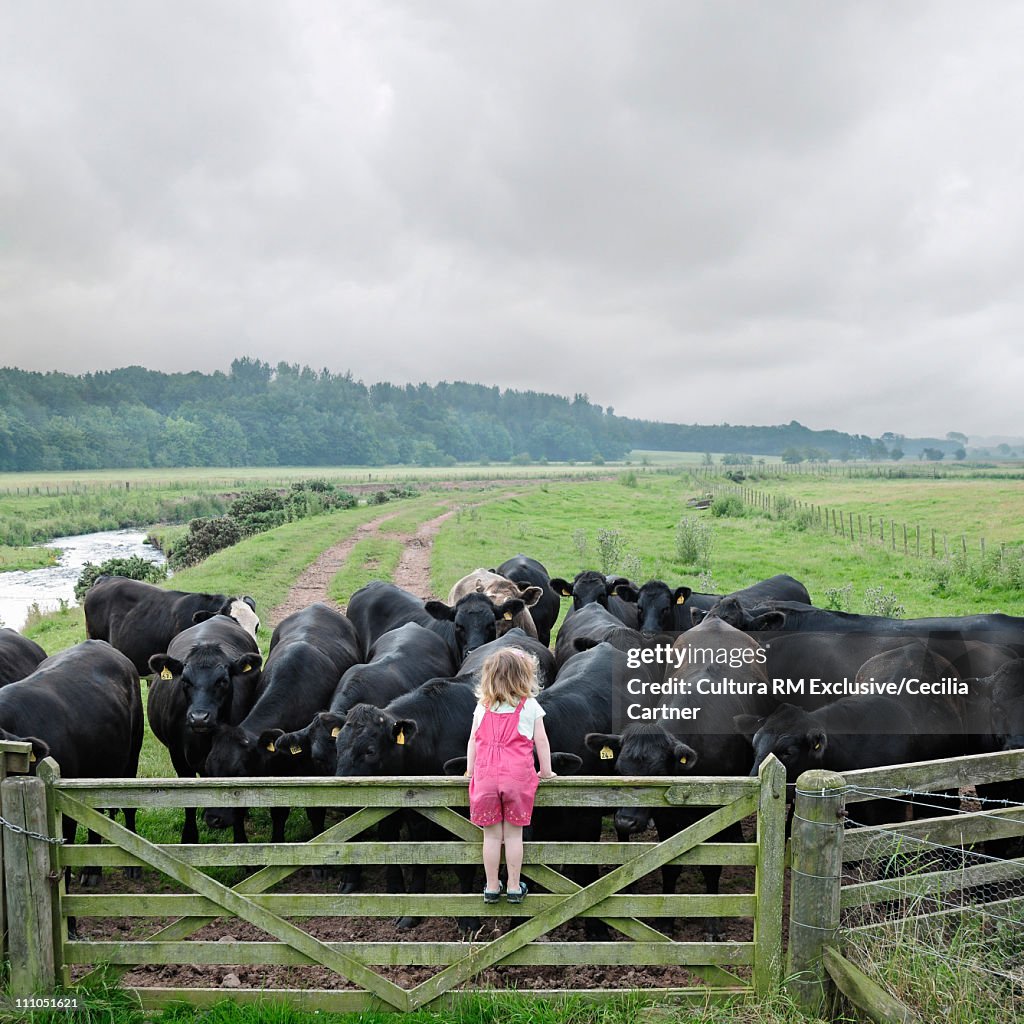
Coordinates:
387 689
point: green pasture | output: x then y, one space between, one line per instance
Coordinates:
989 508
26 558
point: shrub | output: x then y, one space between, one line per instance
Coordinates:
610 546
730 505
879 601
694 539
628 479
839 599
205 536
135 568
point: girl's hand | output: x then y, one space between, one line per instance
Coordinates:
550 775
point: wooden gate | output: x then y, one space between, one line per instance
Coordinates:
718 968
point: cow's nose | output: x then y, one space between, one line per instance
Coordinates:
199 718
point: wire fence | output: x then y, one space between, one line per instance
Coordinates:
940 921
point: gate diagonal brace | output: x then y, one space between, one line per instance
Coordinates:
235 903
255 884
583 899
558 884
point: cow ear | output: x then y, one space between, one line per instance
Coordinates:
455 765
509 609
403 730
40 749
626 592
530 595
440 610
331 722
606 745
563 588
565 763
202 616
817 741
698 615
251 602
585 643
681 594
684 757
769 620
246 664
747 725
165 666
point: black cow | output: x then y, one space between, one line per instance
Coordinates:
140 620
736 606
707 655
470 668
19 656
866 730
592 587
659 608
592 623
475 619
380 607
207 676
525 570
83 708
309 652
401 660
794 659
790 616
414 735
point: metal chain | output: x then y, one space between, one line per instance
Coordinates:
11 827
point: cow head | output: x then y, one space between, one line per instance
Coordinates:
641 750
241 609
206 678
656 605
790 733
372 742
315 744
475 617
589 587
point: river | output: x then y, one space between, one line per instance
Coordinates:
48 587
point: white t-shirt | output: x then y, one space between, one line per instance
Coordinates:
527 718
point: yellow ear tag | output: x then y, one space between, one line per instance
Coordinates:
682 760
165 673
566 593
817 746
335 731
508 616
607 754
295 749
271 747
680 599
400 738
31 757
246 667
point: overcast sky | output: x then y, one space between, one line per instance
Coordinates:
696 212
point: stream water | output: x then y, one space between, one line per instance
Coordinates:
48 587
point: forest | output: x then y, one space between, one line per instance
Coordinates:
289 415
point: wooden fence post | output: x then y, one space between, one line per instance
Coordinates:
14 757
817 863
28 885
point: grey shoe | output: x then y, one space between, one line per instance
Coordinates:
491 895
516 896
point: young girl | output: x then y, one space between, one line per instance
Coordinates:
507 723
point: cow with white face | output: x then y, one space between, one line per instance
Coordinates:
500 589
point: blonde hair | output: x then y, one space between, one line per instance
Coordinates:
508 676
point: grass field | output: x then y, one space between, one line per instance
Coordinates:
622 522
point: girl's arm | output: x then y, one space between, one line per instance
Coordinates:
471 752
540 739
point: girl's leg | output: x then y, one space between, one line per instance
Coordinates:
492 854
513 853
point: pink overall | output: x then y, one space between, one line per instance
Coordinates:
504 780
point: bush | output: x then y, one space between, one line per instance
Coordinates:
205 536
610 547
135 568
839 599
730 505
879 601
628 479
694 539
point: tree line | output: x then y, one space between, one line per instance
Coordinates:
289 415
